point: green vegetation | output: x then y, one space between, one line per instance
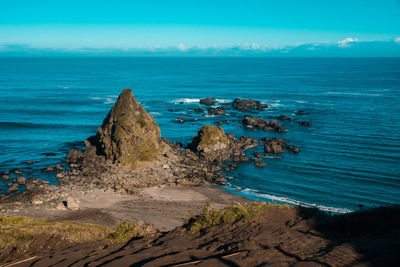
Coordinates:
212 134
126 230
230 214
16 230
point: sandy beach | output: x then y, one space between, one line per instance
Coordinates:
164 207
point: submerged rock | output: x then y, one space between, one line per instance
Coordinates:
248 105
284 118
304 123
128 135
302 113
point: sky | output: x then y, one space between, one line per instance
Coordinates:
201 28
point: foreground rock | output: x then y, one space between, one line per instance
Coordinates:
278 236
259 123
248 105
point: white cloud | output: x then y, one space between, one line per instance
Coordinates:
182 47
347 41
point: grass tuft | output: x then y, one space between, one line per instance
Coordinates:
15 230
125 231
230 214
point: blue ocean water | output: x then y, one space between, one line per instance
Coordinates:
349 156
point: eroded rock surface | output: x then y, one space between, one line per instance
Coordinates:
128 135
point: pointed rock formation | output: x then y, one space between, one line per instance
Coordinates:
128 135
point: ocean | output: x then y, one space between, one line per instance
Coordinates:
350 156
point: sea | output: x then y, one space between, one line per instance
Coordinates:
349 159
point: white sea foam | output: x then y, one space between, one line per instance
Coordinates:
353 94
96 98
154 113
223 100
113 96
253 193
109 101
185 100
301 101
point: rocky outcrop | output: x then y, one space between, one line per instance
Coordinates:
216 111
248 105
209 141
209 101
128 135
259 123
278 145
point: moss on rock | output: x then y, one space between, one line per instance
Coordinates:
129 135
209 139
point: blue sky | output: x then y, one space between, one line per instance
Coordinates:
201 27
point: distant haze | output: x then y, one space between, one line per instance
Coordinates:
200 28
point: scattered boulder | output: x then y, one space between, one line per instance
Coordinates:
248 105
52 169
6 177
198 110
259 123
222 122
278 145
13 188
304 123
128 135
241 158
74 156
216 111
259 164
208 101
292 149
50 154
257 155
16 171
181 119
246 142
5 173
284 118
20 180
71 203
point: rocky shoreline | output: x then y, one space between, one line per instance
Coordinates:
128 154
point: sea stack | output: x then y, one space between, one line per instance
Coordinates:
128 135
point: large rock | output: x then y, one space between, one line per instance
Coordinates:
209 141
248 105
128 135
